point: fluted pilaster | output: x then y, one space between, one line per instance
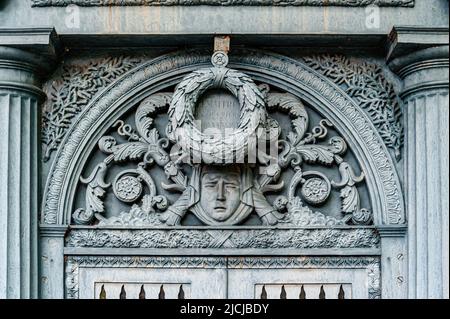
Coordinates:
427 193
425 76
20 96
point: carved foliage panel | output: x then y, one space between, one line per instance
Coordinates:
365 82
72 87
75 83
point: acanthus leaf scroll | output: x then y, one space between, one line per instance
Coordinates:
216 191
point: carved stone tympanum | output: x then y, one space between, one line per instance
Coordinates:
224 174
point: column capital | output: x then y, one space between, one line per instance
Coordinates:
27 56
392 230
432 57
53 230
420 57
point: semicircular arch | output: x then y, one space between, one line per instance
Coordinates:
287 74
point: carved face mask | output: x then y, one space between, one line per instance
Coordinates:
220 191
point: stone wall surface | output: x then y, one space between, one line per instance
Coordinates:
93 93
181 19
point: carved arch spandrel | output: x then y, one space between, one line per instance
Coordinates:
282 72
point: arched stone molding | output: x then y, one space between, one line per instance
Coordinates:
290 75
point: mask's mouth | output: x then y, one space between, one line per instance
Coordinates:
220 208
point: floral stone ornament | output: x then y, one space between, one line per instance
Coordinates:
229 175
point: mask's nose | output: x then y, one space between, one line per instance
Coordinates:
220 190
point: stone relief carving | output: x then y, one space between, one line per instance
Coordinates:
74 263
215 238
387 182
393 201
345 3
71 279
365 82
221 189
69 92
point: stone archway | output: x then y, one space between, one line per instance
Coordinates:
302 83
356 128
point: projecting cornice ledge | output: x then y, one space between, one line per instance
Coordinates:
404 40
38 46
280 3
419 56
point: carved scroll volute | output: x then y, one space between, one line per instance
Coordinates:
350 196
143 146
301 147
144 120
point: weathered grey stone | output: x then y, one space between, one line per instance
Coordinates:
148 21
349 3
20 95
361 104
425 74
51 261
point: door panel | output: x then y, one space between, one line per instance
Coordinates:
288 283
132 283
234 279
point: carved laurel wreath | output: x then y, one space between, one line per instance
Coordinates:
215 149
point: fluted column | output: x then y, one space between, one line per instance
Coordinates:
425 76
20 96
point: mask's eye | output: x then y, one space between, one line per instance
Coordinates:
231 186
209 184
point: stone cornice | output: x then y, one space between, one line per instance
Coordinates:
404 40
419 56
342 3
27 56
41 41
423 71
